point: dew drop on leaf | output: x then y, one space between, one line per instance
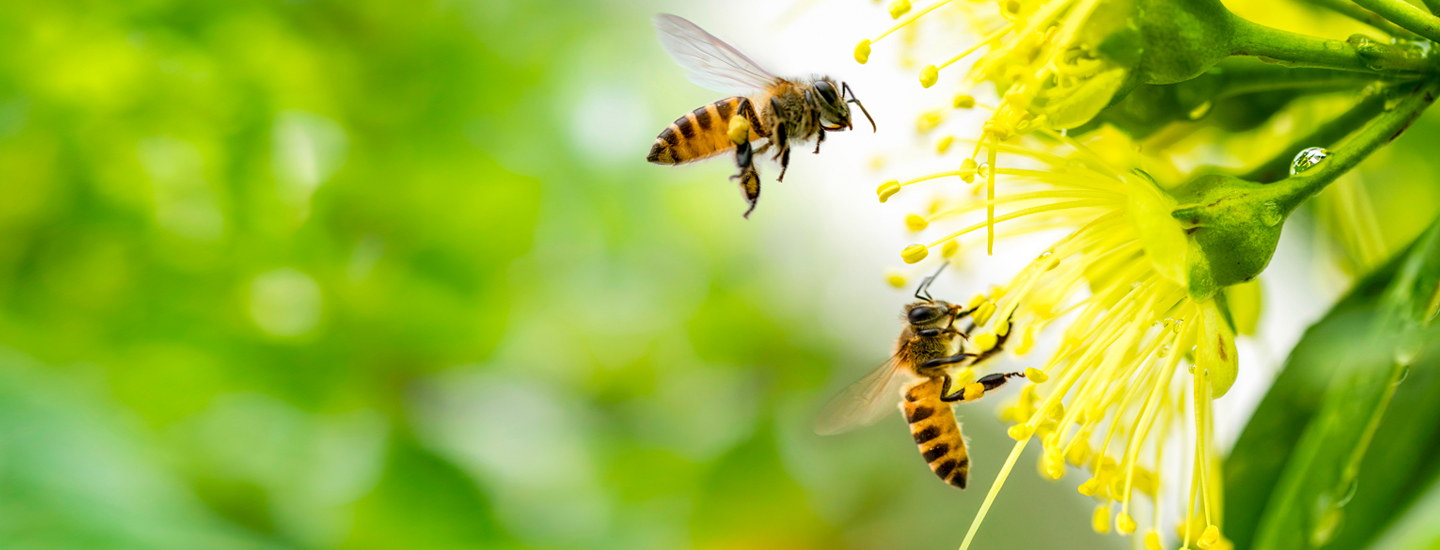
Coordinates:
1307 158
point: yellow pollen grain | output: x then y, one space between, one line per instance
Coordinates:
929 75
862 51
1100 521
974 390
943 144
1036 375
985 341
916 222
951 247
899 8
1124 524
888 189
982 315
1020 432
896 279
914 253
1152 541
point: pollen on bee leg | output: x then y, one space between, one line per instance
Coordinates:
974 390
739 131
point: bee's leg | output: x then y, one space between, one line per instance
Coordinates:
781 138
985 384
749 177
818 140
942 361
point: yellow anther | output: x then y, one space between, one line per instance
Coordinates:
1002 327
974 390
1056 411
1209 537
1079 451
929 75
1015 72
1054 463
862 51
997 129
983 314
951 247
1124 524
1145 481
1035 375
1152 541
916 222
739 131
1107 467
888 189
899 8
984 341
1020 432
914 253
1089 487
963 378
963 101
1100 521
1027 341
895 278
944 144
968 167
976 301
1046 428
928 121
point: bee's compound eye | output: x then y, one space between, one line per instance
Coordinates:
922 314
827 91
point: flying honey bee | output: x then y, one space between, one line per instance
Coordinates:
928 348
781 111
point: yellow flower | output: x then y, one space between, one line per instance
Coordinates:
1139 358
1044 59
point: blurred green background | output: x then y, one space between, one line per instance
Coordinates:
369 274
345 274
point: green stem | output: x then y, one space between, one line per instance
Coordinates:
1298 50
1406 15
1353 11
1296 189
1324 136
1432 5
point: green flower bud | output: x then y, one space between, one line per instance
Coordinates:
1232 227
1183 38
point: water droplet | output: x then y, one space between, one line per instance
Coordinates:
1201 110
1164 351
1349 493
983 170
1270 213
1333 45
1308 158
1064 132
1046 254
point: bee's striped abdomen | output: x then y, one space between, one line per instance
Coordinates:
932 422
698 135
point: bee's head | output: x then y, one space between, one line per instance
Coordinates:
928 314
834 106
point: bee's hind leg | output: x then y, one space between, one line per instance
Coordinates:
781 139
984 385
818 140
749 177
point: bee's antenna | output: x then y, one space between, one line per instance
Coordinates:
925 284
846 89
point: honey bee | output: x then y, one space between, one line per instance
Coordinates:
929 346
781 111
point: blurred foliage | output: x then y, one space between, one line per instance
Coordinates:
1347 439
377 274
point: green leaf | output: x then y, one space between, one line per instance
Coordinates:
1300 475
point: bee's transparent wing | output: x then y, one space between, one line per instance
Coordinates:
864 402
711 63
